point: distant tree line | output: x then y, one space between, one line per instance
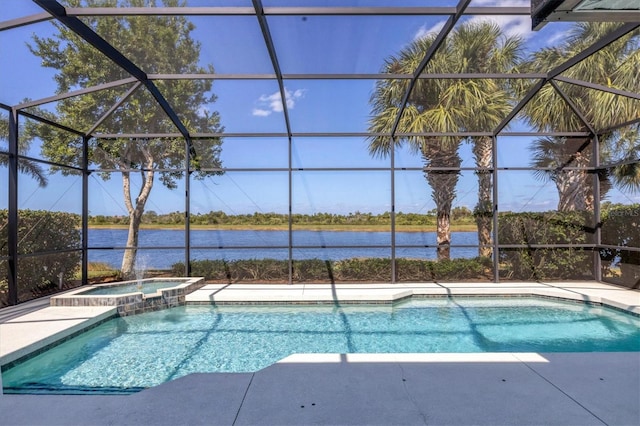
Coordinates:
461 215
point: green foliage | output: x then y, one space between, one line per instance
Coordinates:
460 216
265 269
29 167
237 270
43 232
617 65
366 269
170 50
415 270
156 44
621 227
347 270
530 229
312 270
447 105
624 150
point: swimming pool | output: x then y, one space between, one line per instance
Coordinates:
131 353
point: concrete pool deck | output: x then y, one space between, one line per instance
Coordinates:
503 388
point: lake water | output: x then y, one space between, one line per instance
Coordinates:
234 245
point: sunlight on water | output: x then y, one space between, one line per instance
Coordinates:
134 352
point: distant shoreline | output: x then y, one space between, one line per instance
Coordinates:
337 228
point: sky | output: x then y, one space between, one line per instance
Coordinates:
314 44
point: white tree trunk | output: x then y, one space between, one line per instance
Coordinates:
135 214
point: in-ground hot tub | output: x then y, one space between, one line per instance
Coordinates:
133 297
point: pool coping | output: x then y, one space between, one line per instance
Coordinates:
26 334
620 298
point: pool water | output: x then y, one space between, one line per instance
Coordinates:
131 353
147 287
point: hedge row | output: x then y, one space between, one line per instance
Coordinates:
369 269
621 227
546 228
41 231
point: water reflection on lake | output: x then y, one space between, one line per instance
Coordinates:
228 245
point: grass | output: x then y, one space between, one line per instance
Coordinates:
98 270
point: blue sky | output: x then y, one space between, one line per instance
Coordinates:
315 44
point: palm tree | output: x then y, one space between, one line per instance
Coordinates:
483 48
426 111
449 105
624 149
616 66
575 189
27 167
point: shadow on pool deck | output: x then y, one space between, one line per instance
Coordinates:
569 389
551 389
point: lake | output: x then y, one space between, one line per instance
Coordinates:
248 244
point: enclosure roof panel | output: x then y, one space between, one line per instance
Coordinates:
293 66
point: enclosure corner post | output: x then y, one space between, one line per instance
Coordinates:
187 209
597 220
290 213
393 210
496 249
85 210
12 226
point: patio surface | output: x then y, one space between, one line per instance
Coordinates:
339 389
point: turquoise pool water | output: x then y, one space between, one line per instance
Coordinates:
147 287
130 353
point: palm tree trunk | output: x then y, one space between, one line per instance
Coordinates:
571 190
443 188
483 213
575 187
443 234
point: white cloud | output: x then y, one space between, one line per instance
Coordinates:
511 25
558 36
266 104
423 30
272 102
260 112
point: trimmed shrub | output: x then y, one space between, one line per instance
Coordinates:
237 270
43 232
259 269
312 270
368 269
357 269
621 227
416 270
532 228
